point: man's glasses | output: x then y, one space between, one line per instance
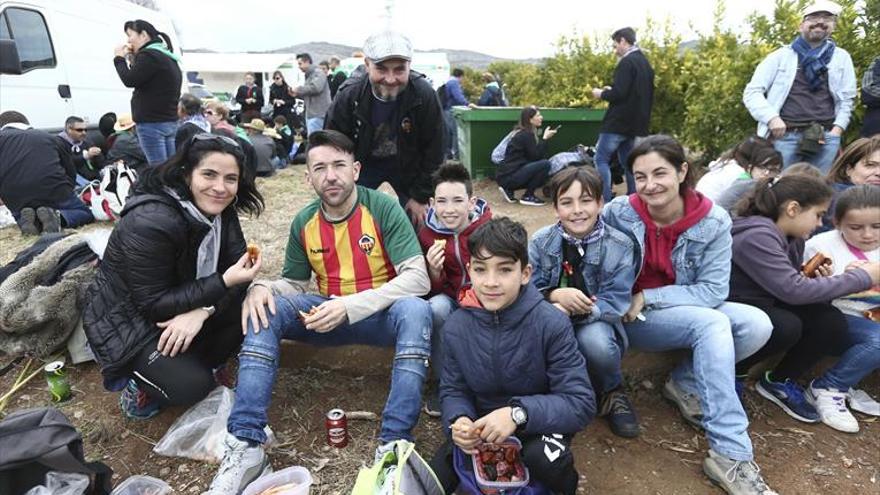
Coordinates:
79 129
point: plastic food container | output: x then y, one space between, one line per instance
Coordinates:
494 487
296 475
142 485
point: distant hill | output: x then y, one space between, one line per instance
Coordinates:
322 50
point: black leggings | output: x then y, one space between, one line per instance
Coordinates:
804 333
558 474
187 378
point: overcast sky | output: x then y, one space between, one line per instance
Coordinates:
502 28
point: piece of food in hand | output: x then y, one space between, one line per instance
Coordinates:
303 315
815 262
253 252
872 314
440 242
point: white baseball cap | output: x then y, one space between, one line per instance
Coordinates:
821 6
387 45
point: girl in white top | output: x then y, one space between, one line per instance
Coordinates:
754 158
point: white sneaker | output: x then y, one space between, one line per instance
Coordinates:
831 406
860 401
241 465
735 477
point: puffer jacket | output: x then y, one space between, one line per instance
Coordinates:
454 276
156 79
147 276
524 355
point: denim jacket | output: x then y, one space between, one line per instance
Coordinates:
607 270
765 94
701 257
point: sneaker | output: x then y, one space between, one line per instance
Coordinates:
860 401
382 449
532 200
621 416
831 406
135 403
688 404
735 477
789 396
50 218
508 195
432 405
242 463
28 222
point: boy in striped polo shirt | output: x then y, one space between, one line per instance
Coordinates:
369 271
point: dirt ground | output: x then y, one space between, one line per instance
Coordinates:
795 458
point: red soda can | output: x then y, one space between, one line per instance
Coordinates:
337 428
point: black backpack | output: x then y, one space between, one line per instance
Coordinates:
36 441
441 95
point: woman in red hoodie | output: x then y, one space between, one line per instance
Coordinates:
682 251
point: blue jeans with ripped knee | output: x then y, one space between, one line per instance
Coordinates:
405 325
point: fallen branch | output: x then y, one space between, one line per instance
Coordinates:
362 415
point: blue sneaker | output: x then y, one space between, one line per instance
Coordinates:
135 403
789 396
621 417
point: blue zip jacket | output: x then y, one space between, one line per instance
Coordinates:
525 355
701 257
607 269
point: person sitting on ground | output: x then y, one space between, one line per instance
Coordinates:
285 134
87 158
264 147
492 95
682 258
105 126
37 178
164 308
370 273
192 120
729 198
525 164
768 245
542 394
126 146
754 158
858 164
453 216
217 114
584 268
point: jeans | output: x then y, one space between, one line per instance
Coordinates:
405 325
157 140
707 333
787 145
606 146
314 124
451 141
74 213
861 355
602 349
530 176
441 307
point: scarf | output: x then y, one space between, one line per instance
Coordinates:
209 249
581 244
160 47
658 269
199 121
76 146
813 61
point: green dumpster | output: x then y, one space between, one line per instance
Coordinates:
481 129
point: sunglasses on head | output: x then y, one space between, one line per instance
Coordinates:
214 137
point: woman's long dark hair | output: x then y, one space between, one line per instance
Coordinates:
525 118
670 150
179 167
140 26
278 73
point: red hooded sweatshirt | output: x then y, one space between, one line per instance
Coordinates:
657 268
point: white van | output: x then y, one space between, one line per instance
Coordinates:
65 50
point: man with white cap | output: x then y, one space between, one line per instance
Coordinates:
395 120
802 94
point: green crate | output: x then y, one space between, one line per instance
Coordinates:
481 129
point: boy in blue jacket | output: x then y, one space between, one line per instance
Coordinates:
512 365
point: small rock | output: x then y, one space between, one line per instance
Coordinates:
648 384
194 489
164 472
325 448
183 468
820 455
848 462
581 489
25 397
78 414
583 477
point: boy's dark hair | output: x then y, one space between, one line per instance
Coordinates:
771 195
13 117
191 104
502 237
626 33
453 172
280 120
334 139
856 198
456 72
305 57
588 177
73 119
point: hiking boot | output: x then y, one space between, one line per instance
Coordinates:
688 404
28 222
432 405
621 417
860 401
135 403
508 195
50 219
789 396
831 406
532 200
735 477
242 463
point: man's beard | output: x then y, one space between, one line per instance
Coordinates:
385 94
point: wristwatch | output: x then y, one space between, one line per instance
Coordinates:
210 309
519 416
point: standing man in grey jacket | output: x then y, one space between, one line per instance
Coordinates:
315 92
802 94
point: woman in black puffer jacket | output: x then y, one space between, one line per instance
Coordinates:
164 309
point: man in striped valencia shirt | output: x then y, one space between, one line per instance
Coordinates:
369 272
